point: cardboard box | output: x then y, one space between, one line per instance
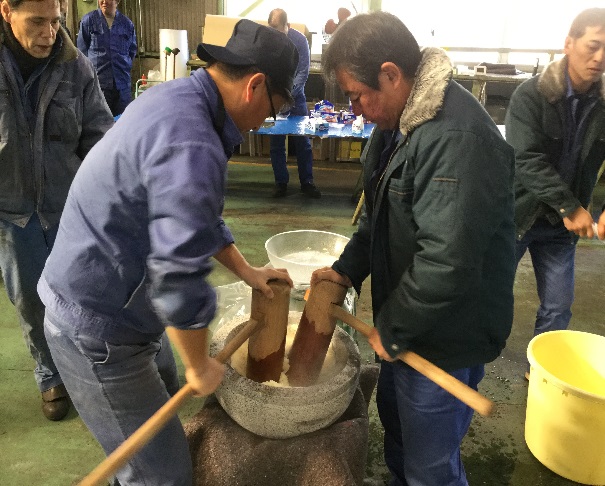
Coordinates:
320 148
349 150
264 147
218 29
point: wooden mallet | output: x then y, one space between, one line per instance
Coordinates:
119 457
266 348
463 392
314 333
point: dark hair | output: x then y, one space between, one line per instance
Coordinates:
14 4
232 71
362 44
235 73
590 17
278 17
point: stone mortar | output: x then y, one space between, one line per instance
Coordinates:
282 412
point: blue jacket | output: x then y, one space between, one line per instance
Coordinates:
39 157
110 50
438 236
302 69
143 219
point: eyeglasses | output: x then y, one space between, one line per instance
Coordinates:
273 114
287 106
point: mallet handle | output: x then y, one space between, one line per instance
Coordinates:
463 392
158 420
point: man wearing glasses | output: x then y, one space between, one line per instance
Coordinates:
278 19
141 226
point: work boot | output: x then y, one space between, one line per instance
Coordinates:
280 190
310 190
55 402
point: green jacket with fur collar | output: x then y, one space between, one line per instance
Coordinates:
535 124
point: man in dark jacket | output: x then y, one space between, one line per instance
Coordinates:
52 112
556 124
437 237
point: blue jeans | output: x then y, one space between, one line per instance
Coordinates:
423 425
552 250
302 147
23 253
115 388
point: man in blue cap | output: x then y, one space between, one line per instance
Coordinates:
134 248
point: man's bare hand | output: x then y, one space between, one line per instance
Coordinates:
580 223
205 379
601 226
327 273
376 343
257 278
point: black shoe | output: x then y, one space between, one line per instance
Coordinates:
55 403
280 190
310 190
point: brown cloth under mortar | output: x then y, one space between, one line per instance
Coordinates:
225 454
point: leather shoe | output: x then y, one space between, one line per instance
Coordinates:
281 189
55 402
310 190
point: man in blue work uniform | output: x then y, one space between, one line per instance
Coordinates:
108 39
556 124
51 113
278 19
141 226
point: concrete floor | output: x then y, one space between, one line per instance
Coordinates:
38 452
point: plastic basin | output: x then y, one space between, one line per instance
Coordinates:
302 252
565 416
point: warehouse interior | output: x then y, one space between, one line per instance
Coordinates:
39 452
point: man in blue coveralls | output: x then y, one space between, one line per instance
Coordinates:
108 39
278 19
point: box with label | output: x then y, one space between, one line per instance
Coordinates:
350 150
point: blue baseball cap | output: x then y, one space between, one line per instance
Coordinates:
253 44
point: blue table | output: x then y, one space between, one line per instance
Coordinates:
295 125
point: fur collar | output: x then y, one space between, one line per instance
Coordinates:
552 84
426 98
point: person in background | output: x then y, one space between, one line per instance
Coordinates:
278 19
556 124
52 113
437 238
331 26
135 245
107 37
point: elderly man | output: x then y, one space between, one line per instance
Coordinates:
437 237
108 39
278 19
52 113
555 122
135 246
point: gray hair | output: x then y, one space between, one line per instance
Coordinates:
362 44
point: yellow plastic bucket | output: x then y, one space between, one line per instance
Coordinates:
565 417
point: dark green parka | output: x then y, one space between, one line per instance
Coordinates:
438 237
534 127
